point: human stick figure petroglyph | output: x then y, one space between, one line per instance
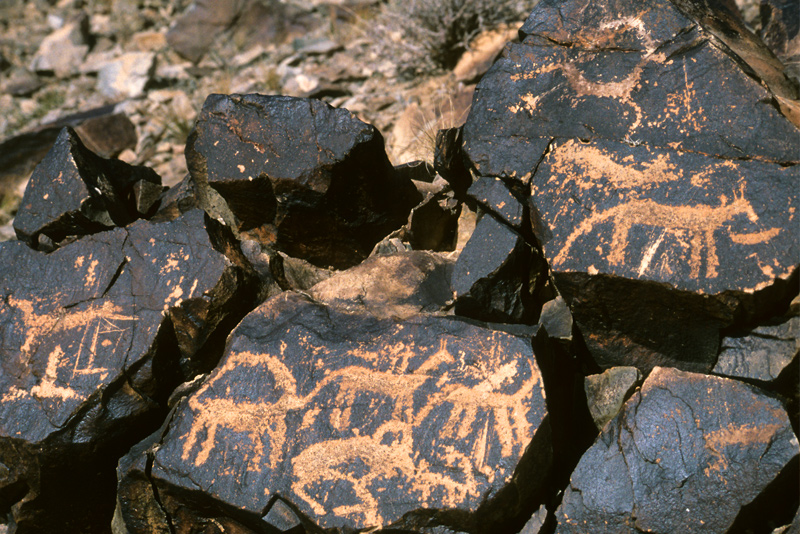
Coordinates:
699 221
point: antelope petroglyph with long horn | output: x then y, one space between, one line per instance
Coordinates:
698 221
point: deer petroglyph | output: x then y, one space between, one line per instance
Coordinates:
699 222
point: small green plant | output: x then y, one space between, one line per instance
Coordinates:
48 100
272 80
177 128
424 36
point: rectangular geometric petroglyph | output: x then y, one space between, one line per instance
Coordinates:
71 342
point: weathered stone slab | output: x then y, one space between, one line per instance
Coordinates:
93 338
701 225
762 353
399 285
359 422
697 223
316 173
74 192
687 454
493 195
607 392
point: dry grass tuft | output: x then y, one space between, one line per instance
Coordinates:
427 36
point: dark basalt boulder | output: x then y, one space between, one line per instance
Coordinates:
75 192
496 274
317 174
357 422
688 453
665 217
93 339
696 223
621 70
682 232
103 131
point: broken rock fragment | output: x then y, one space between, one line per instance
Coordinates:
74 192
607 392
688 453
494 275
63 51
493 195
648 185
317 174
93 338
358 422
761 353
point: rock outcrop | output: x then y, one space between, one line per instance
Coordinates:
358 421
583 317
298 165
645 183
687 453
75 192
94 338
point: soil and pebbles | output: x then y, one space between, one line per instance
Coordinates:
580 314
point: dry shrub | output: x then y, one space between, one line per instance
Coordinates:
425 36
436 104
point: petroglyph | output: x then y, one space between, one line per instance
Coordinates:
698 222
589 167
481 404
736 436
679 106
630 90
47 388
252 418
102 332
621 90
